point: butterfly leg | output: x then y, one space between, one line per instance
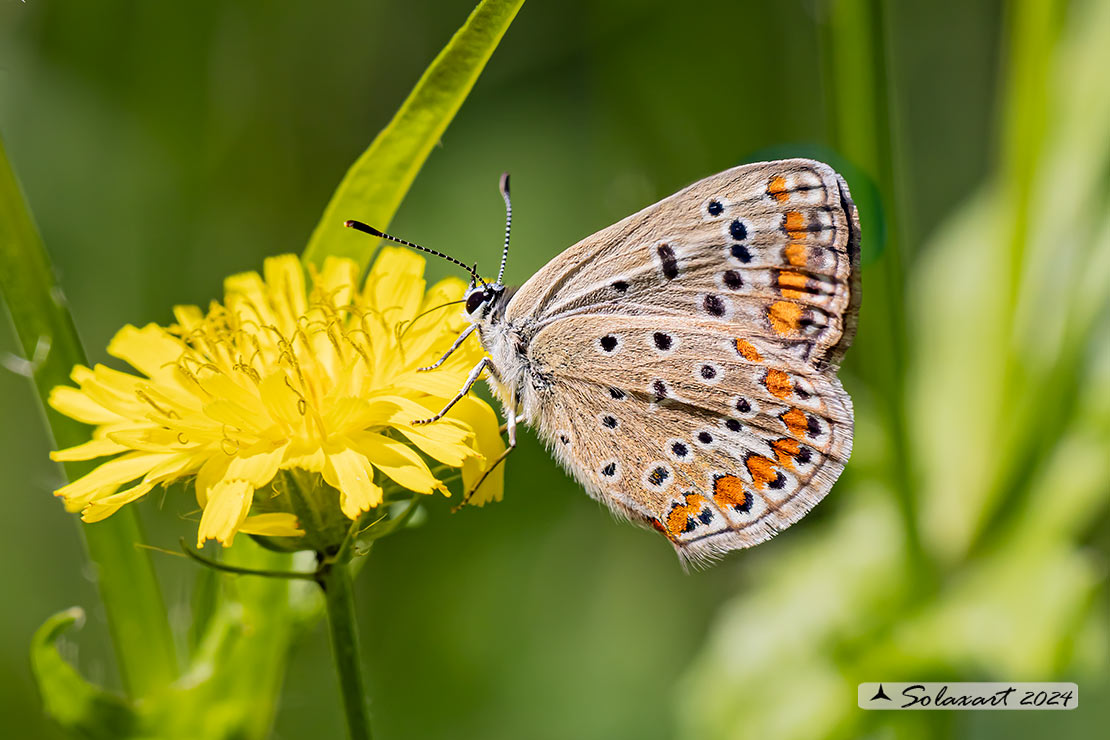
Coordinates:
510 425
470 381
458 342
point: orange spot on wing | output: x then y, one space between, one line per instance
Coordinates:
784 316
795 254
792 284
678 520
762 470
796 422
785 450
795 224
728 492
777 189
748 351
778 383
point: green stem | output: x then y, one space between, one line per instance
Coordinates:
125 576
335 579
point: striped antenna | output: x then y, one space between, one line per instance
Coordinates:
359 226
508 223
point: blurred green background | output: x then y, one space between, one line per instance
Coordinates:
163 146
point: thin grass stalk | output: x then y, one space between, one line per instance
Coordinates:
125 576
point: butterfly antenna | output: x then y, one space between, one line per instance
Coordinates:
364 228
508 223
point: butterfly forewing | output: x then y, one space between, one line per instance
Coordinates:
771 247
681 362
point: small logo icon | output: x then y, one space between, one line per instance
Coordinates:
880 694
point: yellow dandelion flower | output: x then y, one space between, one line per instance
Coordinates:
278 378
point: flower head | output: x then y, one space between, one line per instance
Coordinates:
281 378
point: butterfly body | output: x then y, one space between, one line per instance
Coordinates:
681 362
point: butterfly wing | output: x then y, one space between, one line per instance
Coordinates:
772 247
684 357
716 442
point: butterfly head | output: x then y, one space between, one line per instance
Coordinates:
482 298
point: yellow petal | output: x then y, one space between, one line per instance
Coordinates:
258 464
378 412
148 438
88 451
247 298
77 405
448 289
277 524
211 473
336 281
438 323
188 318
235 404
282 404
445 450
285 279
443 386
120 400
398 461
306 456
447 440
151 350
110 476
176 466
349 472
394 262
396 282
104 507
347 413
227 507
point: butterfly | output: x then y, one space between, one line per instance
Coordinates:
681 363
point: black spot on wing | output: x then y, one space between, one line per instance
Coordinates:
740 252
667 261
714 306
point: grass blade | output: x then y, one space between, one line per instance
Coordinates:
375 185
125 576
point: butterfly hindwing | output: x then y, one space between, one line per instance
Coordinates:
752 439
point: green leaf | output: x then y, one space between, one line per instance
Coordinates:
375 185
136 615
77 705
232 685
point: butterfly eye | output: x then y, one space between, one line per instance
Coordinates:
474 300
